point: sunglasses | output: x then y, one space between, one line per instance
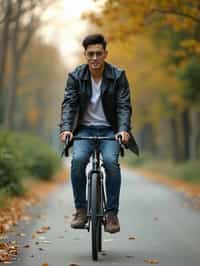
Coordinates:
91 54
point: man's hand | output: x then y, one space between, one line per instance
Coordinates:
64 134
125 136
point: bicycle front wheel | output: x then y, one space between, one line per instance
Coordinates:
95 218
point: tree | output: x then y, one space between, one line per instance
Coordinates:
19 23
174 27
40 89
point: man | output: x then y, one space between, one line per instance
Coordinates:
96 103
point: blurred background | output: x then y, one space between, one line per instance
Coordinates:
156 42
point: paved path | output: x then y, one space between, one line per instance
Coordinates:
164 229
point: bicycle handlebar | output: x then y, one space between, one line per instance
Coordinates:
95 138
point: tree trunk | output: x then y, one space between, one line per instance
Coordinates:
194 134
174 139
186 134
11 99
4 42
147 139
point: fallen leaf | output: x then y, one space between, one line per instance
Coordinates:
7 252
46 227
151 261
131 237
43 229
12 250
73 264
3 245
45 264
27 246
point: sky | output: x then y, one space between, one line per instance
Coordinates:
66 29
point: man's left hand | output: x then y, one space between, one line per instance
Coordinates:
125 136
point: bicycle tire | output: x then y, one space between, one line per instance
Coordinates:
99 236
100 207
95 219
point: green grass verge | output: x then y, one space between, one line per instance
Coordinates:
188 171
23 156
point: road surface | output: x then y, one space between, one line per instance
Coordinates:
154 225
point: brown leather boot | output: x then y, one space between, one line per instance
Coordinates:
80 218
112 224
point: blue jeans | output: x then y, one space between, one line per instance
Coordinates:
82 149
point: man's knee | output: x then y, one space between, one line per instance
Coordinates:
110 162
80 160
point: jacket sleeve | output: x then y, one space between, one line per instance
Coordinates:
69 105
123 104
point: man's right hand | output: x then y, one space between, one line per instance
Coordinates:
64 134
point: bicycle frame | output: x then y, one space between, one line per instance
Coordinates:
95 194
96 168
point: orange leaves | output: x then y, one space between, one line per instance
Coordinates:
131 237
33 116
151 261
7 251
127 16
43 229
191 45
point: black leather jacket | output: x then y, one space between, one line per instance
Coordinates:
115 100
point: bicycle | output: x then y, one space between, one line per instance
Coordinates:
96 197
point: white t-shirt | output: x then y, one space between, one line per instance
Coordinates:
94 114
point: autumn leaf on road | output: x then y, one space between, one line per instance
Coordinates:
7 251
43 229
131 237
151 261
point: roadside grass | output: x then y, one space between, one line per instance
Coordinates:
188 171
24 157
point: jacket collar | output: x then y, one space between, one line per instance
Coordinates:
108 72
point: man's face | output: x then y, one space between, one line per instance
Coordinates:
95 56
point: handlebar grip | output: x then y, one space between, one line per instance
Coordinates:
65 149
67 139
121 145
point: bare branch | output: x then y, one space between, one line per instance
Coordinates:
175 12
30 31
8 9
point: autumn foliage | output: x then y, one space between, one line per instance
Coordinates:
158 43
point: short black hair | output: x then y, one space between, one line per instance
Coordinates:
94 39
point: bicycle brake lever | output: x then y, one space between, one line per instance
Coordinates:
121 145
65 149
